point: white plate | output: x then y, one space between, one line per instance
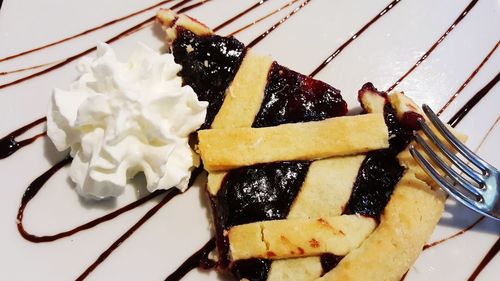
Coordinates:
381 55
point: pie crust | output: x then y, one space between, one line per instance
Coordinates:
379 248
290 238
339 136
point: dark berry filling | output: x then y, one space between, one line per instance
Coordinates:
291 97
251 269
374 184
209 64
329 262
260 192
380 171
256 193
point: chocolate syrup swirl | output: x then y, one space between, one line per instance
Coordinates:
461 232
209 64
24 69
441 39
145 24
190 7
39 182
239 15
489 256
471 76
354 37
276 25
291 97
74 57
486 260
121 35
198 260
170 193
9 145
464 110
112 22
254 22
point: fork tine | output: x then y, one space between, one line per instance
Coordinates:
448 170
468 154
478 178
444 184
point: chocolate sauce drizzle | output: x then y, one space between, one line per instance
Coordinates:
121 35
471 76
25 69
486 260
276 25
9 145
73 58
170 193
192 6
198 260
354 37
187 8
424 56
39 182
404 276
84 32
261 18
461 232
43 178
239 15
464 110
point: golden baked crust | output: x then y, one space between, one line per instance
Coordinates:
291 142
214 181
407 222
170 20
245 94
299 269
327 187
403 104
280 239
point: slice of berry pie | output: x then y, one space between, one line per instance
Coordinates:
300 191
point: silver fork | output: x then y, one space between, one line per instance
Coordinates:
480 192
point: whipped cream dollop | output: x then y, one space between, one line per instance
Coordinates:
120 119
